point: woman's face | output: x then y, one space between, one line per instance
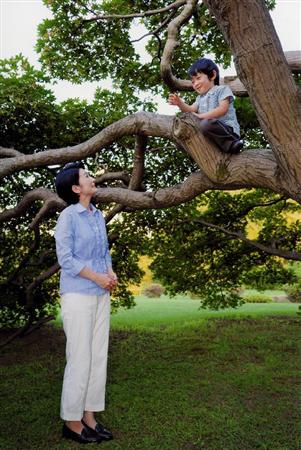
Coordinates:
86 183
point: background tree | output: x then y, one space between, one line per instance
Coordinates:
153 163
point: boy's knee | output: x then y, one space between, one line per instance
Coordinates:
207 125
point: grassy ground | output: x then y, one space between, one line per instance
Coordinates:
165 312
218 383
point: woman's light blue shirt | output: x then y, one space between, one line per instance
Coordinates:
81 241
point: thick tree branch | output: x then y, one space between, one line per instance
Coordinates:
293 59
9 152
152 12
137 173
261 66
138 168
173 30
29 198
113 176
250 168
271 250
148 124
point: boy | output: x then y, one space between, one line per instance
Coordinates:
214 106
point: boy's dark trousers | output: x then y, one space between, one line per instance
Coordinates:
221 134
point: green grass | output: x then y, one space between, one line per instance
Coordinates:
180 311
178 379
165 312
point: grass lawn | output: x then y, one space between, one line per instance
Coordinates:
178 379
165 312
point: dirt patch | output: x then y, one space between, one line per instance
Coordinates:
47 339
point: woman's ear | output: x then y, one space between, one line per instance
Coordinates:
214 75
75 188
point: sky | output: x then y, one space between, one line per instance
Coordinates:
18 29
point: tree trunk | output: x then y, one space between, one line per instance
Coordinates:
262 68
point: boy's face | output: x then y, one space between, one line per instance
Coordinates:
201 83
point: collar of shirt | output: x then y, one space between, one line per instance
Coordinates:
80 208
210 91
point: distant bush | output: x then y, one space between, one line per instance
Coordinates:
154 290
280 298
294 292
257 298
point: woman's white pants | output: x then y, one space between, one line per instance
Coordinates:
86 321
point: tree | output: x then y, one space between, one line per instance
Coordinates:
72 47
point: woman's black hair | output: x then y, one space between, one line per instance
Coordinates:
206 66
65 179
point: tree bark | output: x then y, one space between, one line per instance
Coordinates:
262 68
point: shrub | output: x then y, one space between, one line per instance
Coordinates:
257 298
280 298
294 292
154 290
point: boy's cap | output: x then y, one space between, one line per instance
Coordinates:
203 64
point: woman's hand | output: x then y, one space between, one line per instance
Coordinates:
113 276
105 281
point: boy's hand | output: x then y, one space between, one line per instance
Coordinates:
175 100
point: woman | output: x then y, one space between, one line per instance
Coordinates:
86 280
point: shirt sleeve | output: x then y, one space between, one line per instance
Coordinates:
225 92
107 255
64 239
108 258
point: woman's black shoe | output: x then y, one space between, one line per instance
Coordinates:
101 431
87 435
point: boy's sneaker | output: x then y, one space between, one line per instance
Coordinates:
236 146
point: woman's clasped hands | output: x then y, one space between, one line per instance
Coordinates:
106 280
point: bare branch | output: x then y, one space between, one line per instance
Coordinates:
173 30
28 199
158 29
37 281
112 213
27 329
138 169
153 12
272 250
261 205
32 249
113 176
149 124
51 204
137 173
9 152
